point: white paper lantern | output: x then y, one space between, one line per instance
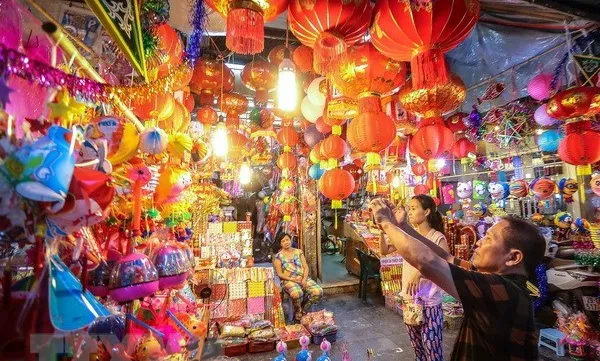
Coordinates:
311 111
154 140
314 92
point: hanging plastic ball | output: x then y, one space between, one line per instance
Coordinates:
315 171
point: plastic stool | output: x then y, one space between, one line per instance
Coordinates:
552 339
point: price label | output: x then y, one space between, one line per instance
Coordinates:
591 303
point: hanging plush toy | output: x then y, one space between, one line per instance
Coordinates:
563 221
479 189
448 194
479 209
568 187
498 190
595 183
519 189
542 188
464 190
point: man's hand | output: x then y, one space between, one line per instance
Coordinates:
412 286
382 212
400 216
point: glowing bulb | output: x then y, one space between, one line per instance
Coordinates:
396 182
220 143
440 163
287 89
245 173
539 131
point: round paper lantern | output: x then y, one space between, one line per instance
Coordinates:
463 147
210 75
542 188
303 58
278 53
578 102
315 171
580 147
172 266
419 169
421 189
287 160
421 32
549 140
519 189
153 141
322 127
455 122
169 50
539 86
207 115
159 107
329 27
287 136
246 22
334 147
133 277
542 118
336 184
310 111
317 91
179 119
367 70
233 105
431 141
260 76
434 100
312 136
314 156
371 132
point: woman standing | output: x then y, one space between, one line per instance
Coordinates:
422 299
292 269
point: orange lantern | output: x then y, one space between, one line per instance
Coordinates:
169 50
419 169
581 144
178 121
287 160
578 103
435 100
246 22
210 75
287 208
329 27
287 136
159 107
278 53
431 141
463 147
237 144
367 70
334 147
371 132
303 58
336 184
232 104
207 115
421 189
420 32
322 127
260 76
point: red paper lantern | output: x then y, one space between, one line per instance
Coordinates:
463 147
287 160
434 100
455 122
159 107
287 136
419 169
431 141
278 53
246 22
580 147
237 144
334 147
336 184
322 127
303 58
421 31
233 105
210 75
578 102
329 27
169 50
260 76
371 132
421 189
207 115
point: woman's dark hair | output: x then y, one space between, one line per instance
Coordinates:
435 217
276 246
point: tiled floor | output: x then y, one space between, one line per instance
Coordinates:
334 271
364 326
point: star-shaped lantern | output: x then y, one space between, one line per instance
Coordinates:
66 108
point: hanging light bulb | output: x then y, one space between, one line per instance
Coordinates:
219 142
245 173
287 89
396 182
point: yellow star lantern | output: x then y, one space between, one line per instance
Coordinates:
66 108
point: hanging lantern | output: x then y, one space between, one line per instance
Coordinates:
463 147
237 144
421 32
168 53
232 104
210 78
158 107
303 58
367 70
287 136
278 53
334 148
421 189
172 265
246 22
575 104
329 27
434 100
287 160
322 127
260 76
581 145
455 122
419 169
207 115
371 132
336 184
287 208
133 277
431 141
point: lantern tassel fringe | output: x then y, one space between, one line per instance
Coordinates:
245 31
428 68
329 53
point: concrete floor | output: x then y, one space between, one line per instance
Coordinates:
364 326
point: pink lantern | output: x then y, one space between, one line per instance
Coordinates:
133 277
539 87
542 117
172 265
12 28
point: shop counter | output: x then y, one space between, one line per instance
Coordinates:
363 237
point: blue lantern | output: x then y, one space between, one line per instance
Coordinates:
548 141
315 171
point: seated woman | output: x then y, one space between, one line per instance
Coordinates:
292 269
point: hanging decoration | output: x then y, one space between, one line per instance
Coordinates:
434 100
197 21
210 77
260 76
232 104
245 32
329 27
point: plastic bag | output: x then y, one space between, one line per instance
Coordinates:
229 330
